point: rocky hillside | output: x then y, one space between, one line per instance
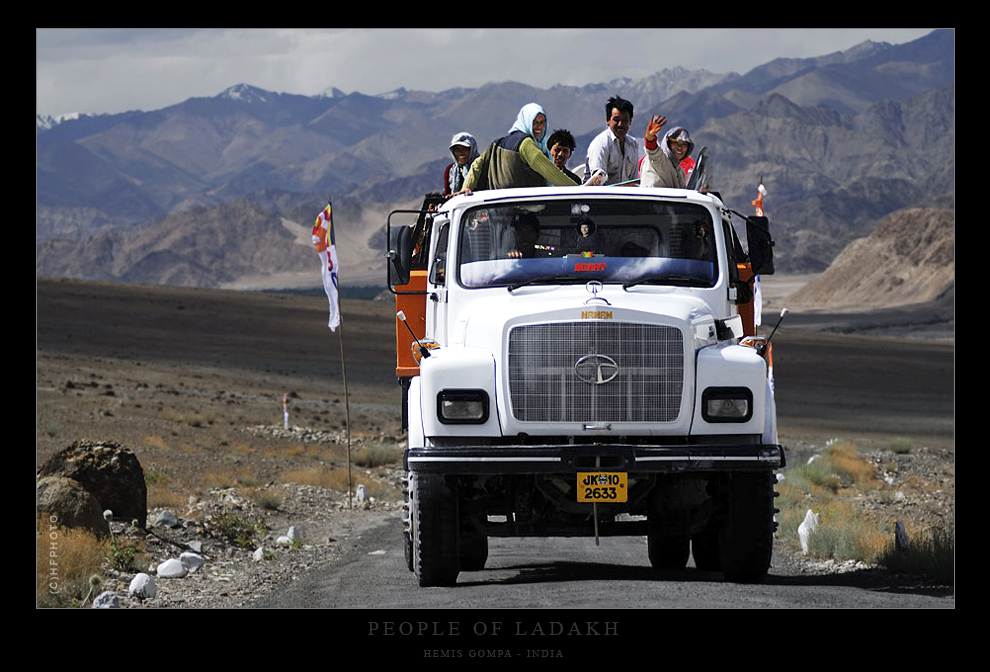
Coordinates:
198 248
910 258
840 141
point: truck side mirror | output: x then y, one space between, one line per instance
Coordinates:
400 249
760 245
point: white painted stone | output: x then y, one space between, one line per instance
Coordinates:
172 569
191 561
142 587
806 528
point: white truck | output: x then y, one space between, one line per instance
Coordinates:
581 361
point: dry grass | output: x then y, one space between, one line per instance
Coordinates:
852 469
827 486
318 475
844 535
377 455
263 498
162 491
310 450
338 479
191 418
67 559
154 442
229 477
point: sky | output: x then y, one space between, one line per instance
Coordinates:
109 70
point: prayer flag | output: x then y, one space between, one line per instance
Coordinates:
758 203
757 291
324 242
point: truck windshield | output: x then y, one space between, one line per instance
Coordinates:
618 240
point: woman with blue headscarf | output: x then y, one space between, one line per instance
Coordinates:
520 159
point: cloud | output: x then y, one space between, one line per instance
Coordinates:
113 70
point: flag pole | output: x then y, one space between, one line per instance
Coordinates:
347 415
347 397
326 247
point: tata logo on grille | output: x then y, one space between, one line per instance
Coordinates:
596 369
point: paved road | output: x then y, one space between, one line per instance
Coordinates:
856 386
572 574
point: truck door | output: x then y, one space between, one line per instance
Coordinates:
436 310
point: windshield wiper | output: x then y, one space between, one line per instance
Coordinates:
560 277
676 279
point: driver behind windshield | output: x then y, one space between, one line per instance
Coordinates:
519 239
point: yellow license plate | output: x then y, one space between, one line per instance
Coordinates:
602 486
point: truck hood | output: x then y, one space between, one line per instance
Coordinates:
483 323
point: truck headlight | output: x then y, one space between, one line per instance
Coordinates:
727 404
464 407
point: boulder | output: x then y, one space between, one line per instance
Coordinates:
142 587
191 561
67 503
171 569
106 600
167 519
109 472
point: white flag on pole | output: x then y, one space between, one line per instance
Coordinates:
324 242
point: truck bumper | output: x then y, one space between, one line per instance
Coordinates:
568 459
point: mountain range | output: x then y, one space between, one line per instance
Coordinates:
222 191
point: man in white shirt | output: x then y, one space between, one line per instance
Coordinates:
614 150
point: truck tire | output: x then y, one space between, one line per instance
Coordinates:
435 531
474 541
705 549
474 551
667 540
746 539
409 552
669 553
407 541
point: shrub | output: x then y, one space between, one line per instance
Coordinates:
901 446
266 500
377 455
931 553
843 535
238 531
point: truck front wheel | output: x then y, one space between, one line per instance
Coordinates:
746 539
474 542
435 543
704 548
668 552
667 540
474 552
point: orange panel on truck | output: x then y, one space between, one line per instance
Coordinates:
414 308
746 309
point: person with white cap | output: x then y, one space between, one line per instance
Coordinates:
464 149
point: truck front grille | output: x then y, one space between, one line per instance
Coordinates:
596 372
